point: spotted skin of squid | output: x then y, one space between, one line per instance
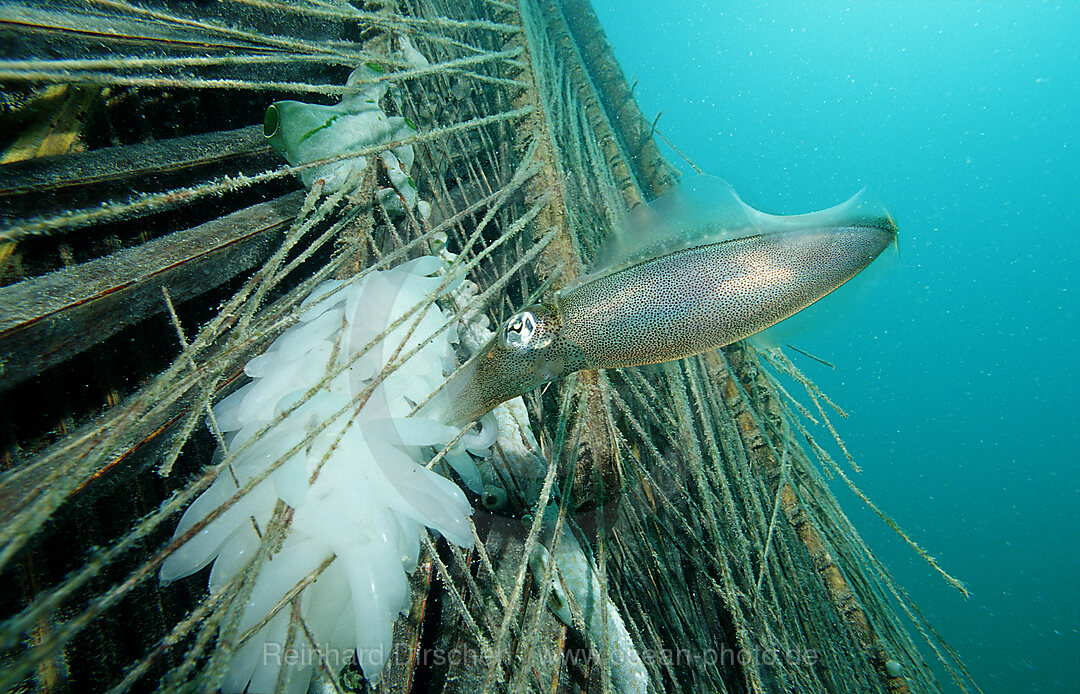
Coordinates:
676 305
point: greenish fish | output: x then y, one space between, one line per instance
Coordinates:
693 271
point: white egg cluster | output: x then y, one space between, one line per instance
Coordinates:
354 475
575 582
305 133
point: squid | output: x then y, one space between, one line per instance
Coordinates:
696 270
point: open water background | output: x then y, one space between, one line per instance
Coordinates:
959 367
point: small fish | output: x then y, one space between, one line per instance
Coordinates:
696 270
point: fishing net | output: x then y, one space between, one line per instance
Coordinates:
153 243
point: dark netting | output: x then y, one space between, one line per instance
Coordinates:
153 243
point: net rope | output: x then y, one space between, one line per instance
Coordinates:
696 487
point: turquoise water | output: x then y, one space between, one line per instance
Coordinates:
959 367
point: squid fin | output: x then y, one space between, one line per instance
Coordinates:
703 210
698 211
838 306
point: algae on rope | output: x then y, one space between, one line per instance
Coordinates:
702 511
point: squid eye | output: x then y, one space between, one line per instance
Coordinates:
520 329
